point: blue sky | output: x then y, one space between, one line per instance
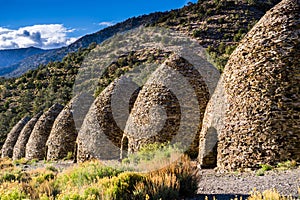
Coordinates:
55 23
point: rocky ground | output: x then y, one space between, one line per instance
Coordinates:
228 186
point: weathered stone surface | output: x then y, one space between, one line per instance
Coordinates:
169 107
212 126
81 104
12 137
36 146
262 84
62 138
19 148
102 130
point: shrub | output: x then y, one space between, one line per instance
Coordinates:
221 20
226 36
210 49
154 156
70 155
229 49
52 168
179 179
289 164
12 194
92 180
117 187
86 173
263 169
123 186
197 33
32 162
21 161
158 186
8 177
268 194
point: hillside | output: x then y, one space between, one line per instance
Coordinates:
145 115
52 83
38 89
218 25
12 56
32 62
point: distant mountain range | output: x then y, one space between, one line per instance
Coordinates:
14 63
9 58
213 23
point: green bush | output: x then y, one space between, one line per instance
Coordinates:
197 33
289 164
52 168
229 49
93 180
8 177
263 169
70 155
154 156
123 186
86 173
14 194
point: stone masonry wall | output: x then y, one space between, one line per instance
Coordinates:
62 138
262 81
36 146
12 137
19 148
169 107
212 126
102 130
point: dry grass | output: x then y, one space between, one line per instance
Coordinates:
269 195
93 180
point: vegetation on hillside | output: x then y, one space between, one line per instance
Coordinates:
217 24
134 60
37 90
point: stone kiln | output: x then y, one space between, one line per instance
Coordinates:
19 148
36 146
257 102
12 137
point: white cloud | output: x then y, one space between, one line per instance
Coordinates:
106 23
45 36
4 30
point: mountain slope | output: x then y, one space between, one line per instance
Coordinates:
34 61
218 24
38 89
12 56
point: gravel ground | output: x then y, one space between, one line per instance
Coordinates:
227 186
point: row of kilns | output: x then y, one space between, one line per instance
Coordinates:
250 117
